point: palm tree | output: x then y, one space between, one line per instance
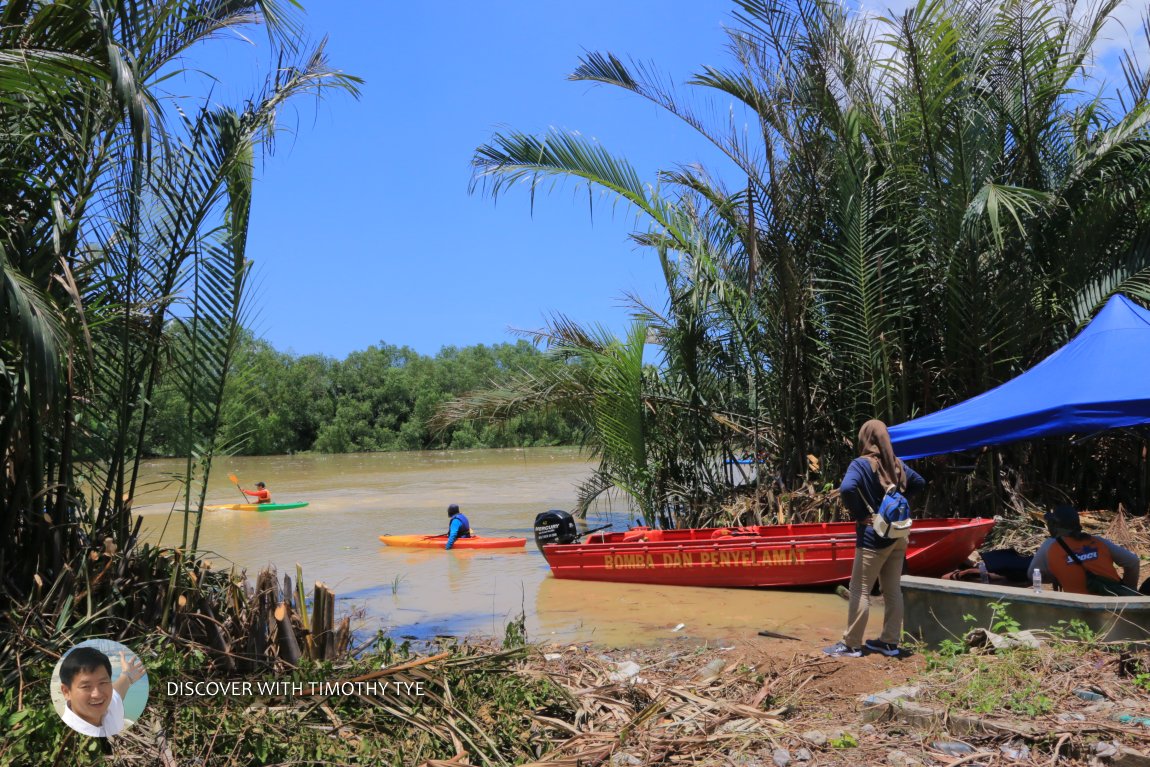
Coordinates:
925 205
120 214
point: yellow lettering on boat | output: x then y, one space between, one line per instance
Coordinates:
627 561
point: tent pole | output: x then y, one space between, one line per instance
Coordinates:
1142 479
994 482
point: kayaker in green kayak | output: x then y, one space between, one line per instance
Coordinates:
261 493
459 527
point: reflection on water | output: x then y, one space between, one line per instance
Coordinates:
426 592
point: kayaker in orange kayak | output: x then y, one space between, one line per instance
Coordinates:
261 493
459 527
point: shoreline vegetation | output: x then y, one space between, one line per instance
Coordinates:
1070 699
922 207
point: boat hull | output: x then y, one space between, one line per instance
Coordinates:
761 557
256 506
439 541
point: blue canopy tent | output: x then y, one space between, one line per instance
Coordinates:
1100 380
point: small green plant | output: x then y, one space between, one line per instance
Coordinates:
1000 620
949 648
515 633
845 740
398 579
1075 629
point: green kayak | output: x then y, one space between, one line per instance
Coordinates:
255 506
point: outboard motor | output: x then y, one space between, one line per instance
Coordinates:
555 526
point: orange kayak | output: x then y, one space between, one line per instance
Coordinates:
439 541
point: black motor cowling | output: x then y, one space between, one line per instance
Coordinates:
555 526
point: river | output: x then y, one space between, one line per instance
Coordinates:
424 593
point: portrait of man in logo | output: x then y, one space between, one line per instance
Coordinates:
100 688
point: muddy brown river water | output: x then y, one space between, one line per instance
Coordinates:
423 593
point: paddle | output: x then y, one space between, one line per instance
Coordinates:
236 481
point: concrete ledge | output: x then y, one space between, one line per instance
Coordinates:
935 609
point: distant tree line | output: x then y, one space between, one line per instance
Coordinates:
379 399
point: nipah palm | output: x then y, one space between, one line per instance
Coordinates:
921 207
121 213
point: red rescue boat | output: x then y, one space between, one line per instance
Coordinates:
766 556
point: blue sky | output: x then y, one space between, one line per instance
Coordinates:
363 230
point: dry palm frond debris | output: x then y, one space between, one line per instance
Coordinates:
688 707
769 505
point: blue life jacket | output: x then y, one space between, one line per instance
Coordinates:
465 530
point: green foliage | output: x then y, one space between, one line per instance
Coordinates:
845 740
1075 629
1001 621
947 648
124 209
515 633
36 729
1007 681
380 399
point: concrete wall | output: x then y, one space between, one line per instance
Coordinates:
934 609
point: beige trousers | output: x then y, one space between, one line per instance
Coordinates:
885 566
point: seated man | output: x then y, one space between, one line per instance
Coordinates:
1069 553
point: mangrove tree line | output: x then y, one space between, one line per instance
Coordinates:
381 398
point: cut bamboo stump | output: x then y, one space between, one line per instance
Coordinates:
288 646
301 602
323 621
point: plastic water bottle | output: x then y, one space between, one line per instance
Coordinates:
982 574
1036 579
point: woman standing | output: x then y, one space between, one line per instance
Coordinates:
876 558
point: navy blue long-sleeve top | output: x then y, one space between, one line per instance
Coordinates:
862 492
